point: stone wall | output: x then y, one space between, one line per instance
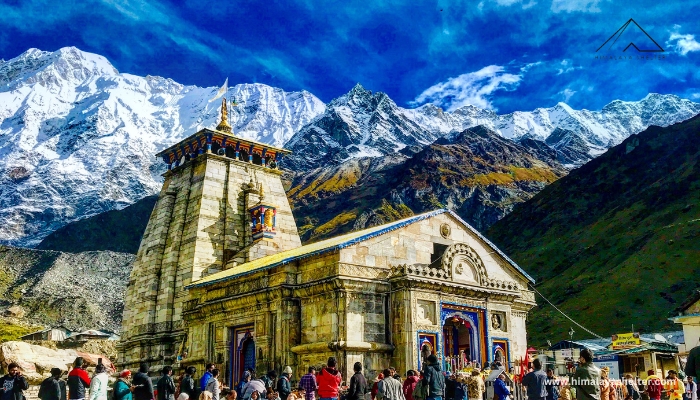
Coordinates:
200 218
357 304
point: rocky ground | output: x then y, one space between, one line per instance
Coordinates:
80 290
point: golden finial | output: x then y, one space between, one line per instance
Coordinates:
262 194
223 125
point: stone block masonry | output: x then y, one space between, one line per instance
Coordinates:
199 223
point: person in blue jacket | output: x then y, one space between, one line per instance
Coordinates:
205 378
500 389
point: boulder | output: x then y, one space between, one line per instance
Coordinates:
36 361
15 311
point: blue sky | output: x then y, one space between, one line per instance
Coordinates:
505 55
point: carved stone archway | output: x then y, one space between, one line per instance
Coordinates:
461 253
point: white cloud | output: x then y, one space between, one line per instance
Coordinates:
565 66
473 88
683 44
523 4
526 67
566 94
591 6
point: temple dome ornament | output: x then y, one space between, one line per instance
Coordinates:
224 125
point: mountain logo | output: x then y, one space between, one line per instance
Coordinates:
635 37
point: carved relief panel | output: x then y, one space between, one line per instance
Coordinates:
425 312
499 321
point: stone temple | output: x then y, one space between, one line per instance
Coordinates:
221 276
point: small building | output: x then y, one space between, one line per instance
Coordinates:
562 356
57 334
91 334
112 335
657 351
689 317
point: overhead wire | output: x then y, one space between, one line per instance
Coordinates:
564 314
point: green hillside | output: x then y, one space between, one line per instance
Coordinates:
617 241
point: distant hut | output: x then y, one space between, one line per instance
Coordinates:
56 334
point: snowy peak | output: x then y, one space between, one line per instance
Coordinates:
49 68
357 124
78 138
365 124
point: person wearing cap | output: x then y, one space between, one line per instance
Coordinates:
121 390
284 387
50 388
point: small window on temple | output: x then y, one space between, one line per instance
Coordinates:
438 251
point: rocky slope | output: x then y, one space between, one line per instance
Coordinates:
78 138
617 241
477 173
81 291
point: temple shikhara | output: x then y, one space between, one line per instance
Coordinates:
221 276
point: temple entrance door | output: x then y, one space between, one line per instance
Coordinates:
457 335
242 353
247 355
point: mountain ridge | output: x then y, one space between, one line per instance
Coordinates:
77 137
623 227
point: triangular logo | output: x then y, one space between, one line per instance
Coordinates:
635 37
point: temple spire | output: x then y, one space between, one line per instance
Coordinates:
223 125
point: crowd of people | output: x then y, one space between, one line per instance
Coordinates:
587 383
592 383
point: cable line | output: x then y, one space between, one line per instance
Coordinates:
562 313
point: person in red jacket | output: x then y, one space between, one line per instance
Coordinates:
654 386
78 380
409 384
328 381
375 387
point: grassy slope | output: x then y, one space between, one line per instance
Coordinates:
616 242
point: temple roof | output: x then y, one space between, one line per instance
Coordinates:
199 140
336 243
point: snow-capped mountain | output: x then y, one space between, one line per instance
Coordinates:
78 138
357 124
362 123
